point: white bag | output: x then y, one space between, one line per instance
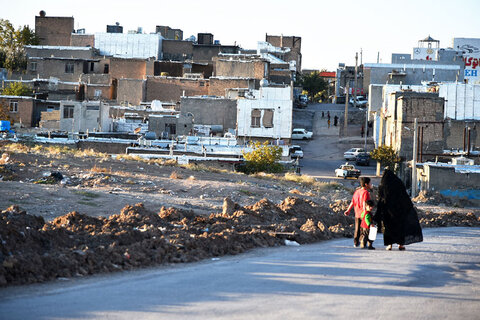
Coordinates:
372 235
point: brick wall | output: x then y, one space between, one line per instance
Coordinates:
454 133
82 40
240 68
54 31
171 89
218 86
130 90
24 111
128 68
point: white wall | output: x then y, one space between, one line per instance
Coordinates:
277 99
462 101
129 45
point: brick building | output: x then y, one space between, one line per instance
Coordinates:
293 43
247 66
220 85
54 31
171 89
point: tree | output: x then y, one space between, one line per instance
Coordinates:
17 89
315 85
12 42
263 158
386 156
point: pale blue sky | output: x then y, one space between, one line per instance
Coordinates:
331 31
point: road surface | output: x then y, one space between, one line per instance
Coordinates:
436 279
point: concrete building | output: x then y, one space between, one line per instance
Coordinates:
83 116
266 114
170 126
54 31
293 43
219 86
238 65
217 112
169 33
172 89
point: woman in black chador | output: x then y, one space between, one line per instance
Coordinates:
396 211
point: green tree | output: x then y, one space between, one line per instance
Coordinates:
386 155
17 89
12 42
263 158
315 86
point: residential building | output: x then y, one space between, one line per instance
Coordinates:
131 45
169 33
265 114
293 43
83 116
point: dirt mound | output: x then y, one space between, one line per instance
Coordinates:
436 198
75 244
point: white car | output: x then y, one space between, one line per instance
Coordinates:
347 170
296 152
361 101
301 134
351 154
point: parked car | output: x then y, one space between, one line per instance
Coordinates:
301 134
362 159
352 153
296 152
361 101
347 170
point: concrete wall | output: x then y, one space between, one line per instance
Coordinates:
454 133
267 98
54 31
211 111
172 89
158 123
91 116
220 85
177 50
45 51
131 91
55 67
445 179
205 53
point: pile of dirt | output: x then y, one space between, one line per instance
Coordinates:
75 244
448 219
437 198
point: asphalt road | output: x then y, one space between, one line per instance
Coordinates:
324 153
436 279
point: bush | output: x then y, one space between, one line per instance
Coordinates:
386 156
263 158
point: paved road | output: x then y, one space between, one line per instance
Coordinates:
436 279
324 153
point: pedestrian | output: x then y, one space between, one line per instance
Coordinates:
328 123
362 131
396 212
335 121
328 115
361 195
365 241
323 114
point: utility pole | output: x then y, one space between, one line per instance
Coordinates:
380 141
414 160
356 84
345 123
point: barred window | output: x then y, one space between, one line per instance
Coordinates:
69 67
13 106
68 112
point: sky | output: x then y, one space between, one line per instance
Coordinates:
331 31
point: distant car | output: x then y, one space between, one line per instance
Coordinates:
352 153
296 152
301 134
362 159
347 170
361 101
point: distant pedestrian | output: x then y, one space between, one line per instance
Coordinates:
328 123
323 114
362 131
335 121
328 115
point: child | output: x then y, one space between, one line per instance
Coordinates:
365 226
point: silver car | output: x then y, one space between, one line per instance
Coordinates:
351 154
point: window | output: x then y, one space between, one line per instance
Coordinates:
50 108
33 66
13 106
68 112
69 67
256 115
92 66
268 118
106 68
171 128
